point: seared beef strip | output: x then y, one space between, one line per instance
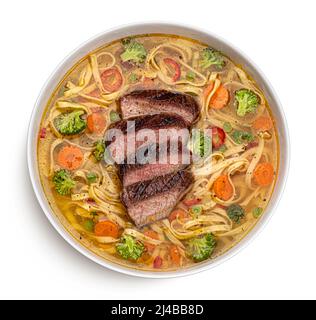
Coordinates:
120 148
152 200
145 102
154 161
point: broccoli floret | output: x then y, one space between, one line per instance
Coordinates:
209 57
63 182
201 248
235 212
99 150
129 248
134 51
70 123
247 101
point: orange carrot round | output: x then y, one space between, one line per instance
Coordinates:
262 124
152 234
263 174
177 214
223 188
175 255
96 122
106 228
70 157
220 98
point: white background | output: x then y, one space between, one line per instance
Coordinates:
35 262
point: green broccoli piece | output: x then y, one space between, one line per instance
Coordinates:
134 51
241 137
70 123
247 101
201 248
130 248
235 212
209 57
99 150
63 182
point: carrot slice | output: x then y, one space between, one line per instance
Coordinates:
177 214
220 98
175 255
152 234
263 174
70 157
223 188
262 124
96 122
106 228
208 89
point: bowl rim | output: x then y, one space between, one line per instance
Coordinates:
40 105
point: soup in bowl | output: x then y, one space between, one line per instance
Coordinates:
157 152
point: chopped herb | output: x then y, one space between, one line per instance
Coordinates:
88 225
196 211
133 78
222 148
256 212
190 75
92 177
227 127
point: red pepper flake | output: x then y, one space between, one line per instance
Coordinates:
251 145
157 262
43 133
191 202
90 201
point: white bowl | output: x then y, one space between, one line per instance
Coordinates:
146 28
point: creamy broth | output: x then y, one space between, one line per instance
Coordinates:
232 185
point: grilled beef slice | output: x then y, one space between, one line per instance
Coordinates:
153 161
144 102
152 200
121 147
